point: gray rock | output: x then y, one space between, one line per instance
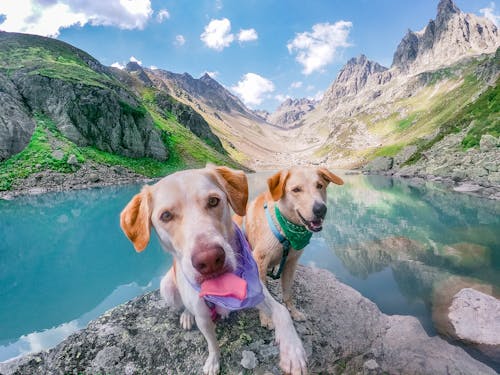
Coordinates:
344 330
72 160
58 154
475 317
248 360
405 154
491 166
93 177
16 123
380 164
488 142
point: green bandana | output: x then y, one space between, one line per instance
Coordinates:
298 235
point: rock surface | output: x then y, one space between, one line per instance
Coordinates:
344 333
475 318
450 37
290 112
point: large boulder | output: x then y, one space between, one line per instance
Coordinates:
380 164
475 319
344 333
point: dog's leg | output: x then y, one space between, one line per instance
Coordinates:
287 284
169 291
207 328
186 320
292 355
263 260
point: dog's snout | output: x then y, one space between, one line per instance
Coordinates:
209 260
319 210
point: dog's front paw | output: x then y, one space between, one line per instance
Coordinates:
187 320
296 315
293 359
211 365
266 321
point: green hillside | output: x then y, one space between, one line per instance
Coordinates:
23 58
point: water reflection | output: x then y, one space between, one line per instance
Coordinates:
62 255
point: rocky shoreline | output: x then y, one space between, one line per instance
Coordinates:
344 333
89 175
475 171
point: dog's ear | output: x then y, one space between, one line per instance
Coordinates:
235 185
135 219
277 183
329 176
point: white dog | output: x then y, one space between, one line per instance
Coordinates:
190 213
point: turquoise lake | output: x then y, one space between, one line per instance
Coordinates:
64 260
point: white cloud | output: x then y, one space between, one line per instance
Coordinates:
490 14
180 40
153 67
217 34
163 14
252 88
296 85
118 65
247 35
318 48
281 98
318 96
49 17
133 59
218 4
310 87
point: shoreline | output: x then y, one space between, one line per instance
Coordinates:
94 175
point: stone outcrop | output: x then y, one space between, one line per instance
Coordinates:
191 119
290 112
344 333
357 73
16 122
86 111
452 36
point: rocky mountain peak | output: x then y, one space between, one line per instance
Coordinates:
452 36
138 72
446 8
290 112
357 73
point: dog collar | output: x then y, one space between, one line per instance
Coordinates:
245 269
298 235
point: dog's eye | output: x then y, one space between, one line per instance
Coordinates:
166 216
297 189
213 201
319 186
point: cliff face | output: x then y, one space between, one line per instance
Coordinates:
290 112
344 333
88 106
453 35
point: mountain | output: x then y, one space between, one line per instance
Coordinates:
244 134
290 112
452 36
62 111
352 78
370 111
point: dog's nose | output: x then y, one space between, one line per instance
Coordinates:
209 260
319 210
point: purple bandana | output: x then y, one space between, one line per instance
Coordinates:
247 270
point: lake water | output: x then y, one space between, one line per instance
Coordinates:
64 260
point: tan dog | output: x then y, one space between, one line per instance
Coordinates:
190 213
300 194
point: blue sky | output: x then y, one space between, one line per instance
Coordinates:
263 50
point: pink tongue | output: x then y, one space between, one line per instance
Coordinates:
226 285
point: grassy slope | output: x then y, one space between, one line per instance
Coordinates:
444 105
51 58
